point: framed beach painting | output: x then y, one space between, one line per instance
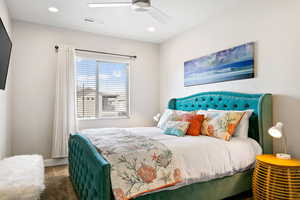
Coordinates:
230 64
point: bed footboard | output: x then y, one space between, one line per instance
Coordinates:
89 171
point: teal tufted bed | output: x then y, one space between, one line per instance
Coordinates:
90 172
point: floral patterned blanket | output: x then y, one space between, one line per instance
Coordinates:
139 164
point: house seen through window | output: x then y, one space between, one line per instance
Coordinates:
102 89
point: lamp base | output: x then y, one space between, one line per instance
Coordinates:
284 156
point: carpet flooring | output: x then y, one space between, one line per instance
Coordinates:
59 186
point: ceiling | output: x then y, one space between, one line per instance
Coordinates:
120 22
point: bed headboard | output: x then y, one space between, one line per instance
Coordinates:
260 121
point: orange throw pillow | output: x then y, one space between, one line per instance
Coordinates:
195 123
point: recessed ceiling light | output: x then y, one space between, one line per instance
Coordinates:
151 29
53 9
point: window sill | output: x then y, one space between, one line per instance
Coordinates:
104 118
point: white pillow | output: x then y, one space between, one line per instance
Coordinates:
166 116
243 127
170 115
202 112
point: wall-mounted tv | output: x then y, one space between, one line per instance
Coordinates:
5 50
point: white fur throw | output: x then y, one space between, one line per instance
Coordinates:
21 177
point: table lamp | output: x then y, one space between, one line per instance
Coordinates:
276 132
156 117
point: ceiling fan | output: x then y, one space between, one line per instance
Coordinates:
136 5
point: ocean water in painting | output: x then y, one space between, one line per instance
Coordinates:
231 64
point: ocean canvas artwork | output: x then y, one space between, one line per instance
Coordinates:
231 64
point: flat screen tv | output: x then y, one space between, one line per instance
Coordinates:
5 50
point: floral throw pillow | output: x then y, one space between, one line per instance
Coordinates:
243 127
177 128
221 124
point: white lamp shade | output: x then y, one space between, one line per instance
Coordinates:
276 131
156 117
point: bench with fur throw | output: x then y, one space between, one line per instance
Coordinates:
21 177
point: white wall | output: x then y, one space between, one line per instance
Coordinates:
5 134
274 26
34 82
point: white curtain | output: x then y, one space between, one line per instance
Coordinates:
65 105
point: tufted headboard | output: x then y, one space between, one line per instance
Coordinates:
260 121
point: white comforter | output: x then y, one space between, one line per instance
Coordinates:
203 158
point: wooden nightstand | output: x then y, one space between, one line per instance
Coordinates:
275 178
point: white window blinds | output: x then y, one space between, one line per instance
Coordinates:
102 88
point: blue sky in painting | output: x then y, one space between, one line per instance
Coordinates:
230 64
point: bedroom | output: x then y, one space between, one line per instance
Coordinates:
161 45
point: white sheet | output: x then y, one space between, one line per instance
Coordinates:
204 158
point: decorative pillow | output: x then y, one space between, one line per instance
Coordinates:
177 128
171 115
166 116
221 124
180 113
243 127
195 123
203 112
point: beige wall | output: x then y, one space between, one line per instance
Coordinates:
274 26
5 134
34 82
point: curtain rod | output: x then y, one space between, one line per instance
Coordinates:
101 52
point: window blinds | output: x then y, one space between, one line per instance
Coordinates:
102 88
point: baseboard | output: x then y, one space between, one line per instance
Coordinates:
55 162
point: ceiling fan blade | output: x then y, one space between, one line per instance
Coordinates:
159 15
109 5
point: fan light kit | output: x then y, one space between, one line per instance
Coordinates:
53 9
138 6
107 5
141 6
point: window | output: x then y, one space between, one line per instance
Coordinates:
102 88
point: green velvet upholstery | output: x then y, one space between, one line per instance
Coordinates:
211 190
260 121
90 172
